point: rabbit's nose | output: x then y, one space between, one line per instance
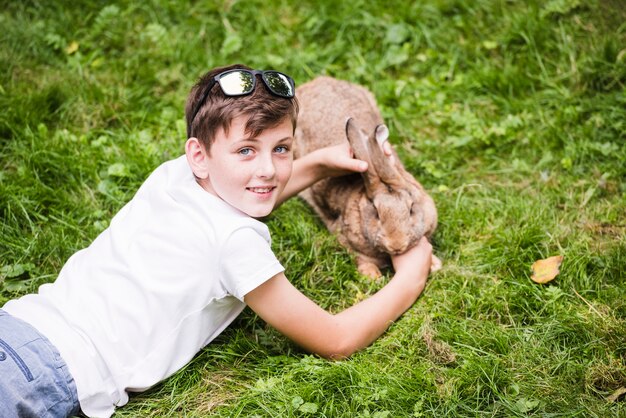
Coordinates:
396 244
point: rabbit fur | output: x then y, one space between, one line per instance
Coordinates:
374 214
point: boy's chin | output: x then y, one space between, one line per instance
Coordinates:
258 213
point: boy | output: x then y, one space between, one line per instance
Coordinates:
183 258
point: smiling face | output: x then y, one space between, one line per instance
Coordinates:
249 173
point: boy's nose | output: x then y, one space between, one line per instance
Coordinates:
266 168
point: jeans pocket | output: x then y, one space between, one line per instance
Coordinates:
17 359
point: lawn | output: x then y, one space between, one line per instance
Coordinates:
511 113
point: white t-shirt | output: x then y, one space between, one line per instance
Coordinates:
162 281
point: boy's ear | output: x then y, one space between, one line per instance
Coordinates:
197 158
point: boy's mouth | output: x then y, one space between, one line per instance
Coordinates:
261 190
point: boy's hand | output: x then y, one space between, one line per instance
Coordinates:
338 160
416 260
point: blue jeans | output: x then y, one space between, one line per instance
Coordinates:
34 379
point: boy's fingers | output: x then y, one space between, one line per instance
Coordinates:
435 264
358 165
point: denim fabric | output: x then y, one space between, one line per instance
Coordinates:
34 379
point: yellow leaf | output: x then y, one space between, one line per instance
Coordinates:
617 394
490 44
546 270
71 48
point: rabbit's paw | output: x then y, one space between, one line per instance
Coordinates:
369 269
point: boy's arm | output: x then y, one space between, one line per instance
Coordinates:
333 161
284 307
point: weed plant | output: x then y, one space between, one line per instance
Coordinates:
511 113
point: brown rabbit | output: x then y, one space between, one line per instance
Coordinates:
380 212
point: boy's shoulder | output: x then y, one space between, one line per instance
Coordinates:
173 190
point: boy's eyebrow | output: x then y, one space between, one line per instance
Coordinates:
253 139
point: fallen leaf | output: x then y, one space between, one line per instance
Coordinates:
308 408
490 44
546 270
71 48
616 395
118 170
525 405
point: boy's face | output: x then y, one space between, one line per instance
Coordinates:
250 173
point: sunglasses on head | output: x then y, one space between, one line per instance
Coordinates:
240 82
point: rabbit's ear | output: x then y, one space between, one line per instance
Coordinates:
382 163
359 142
382 133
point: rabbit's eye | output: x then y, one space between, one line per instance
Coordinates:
411 210
371 209
374 212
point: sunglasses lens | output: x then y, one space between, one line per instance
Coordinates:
236 83
279 83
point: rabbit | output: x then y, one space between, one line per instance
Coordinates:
374 214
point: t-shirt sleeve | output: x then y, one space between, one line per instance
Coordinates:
246 262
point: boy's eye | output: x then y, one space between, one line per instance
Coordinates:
281 149
245 151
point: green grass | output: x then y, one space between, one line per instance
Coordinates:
511 113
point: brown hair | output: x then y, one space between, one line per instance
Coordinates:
264 109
